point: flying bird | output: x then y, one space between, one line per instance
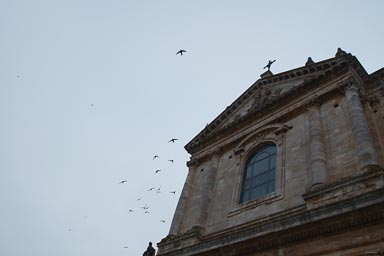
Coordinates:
173 192
122 182
171 160
157 171
181 52
172 140
146 212
151 189
138 199
162 221
125 247
130 210
155 156
145 207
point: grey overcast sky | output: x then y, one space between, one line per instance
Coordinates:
91 90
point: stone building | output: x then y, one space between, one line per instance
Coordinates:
294 166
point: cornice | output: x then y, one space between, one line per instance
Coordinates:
317 73
303 225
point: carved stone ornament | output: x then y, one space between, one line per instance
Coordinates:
262 95
340 52
314 101
349 84
193 163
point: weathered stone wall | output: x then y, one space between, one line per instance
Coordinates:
222 210
361 241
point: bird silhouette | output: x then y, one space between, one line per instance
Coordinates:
130 211
122 182
162 221
151 189
146 212
171 160
145 207
172 140
173 192
157 171
181 52
155 156
125 247
138 199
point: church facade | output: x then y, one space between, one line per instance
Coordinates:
294 166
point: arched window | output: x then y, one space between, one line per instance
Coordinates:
259 174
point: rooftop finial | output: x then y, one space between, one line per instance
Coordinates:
340 52
309 61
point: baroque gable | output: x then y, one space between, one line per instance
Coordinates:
272 91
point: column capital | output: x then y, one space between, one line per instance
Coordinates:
193 163
350 84
313 102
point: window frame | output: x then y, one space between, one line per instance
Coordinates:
271 134
270 169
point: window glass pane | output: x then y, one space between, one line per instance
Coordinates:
271 149
248 172
259 191
260 171
260 166
261 157
272 162
272 174
263 178
271 186
247 184
245 196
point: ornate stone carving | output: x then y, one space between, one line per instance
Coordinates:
340 52
349 84
193 163
309 62
261 96
314 101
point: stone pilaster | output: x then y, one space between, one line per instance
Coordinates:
207 190
365 149
183 200
317 152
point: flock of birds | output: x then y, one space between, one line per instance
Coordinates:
157 190
145 208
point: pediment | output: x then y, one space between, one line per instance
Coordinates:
269 91
260 96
